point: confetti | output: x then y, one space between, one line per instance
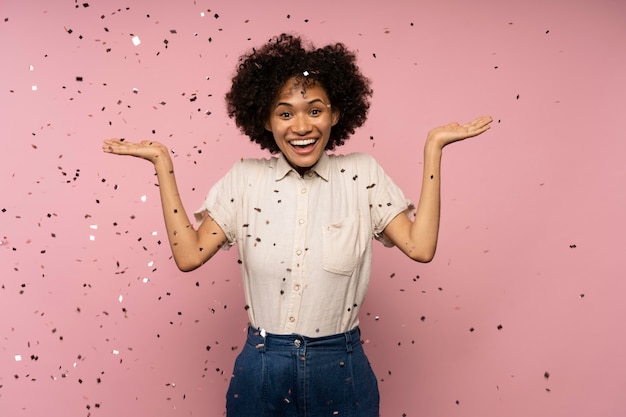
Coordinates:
136 40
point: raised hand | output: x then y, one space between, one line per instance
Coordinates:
453 132
149 150
418 239
190 247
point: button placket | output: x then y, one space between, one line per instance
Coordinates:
302 202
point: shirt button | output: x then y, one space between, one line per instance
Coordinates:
296 287
303 191
301 221
297 343
292 319
298 252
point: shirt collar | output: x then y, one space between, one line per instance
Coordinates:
321 168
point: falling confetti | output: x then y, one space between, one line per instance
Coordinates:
85 226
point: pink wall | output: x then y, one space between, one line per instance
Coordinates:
520 314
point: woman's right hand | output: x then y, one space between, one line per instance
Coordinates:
190 247
149 150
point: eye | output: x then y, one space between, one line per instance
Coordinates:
316 112
284 115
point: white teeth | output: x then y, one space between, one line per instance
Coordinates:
303 142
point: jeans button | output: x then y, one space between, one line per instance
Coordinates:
297 343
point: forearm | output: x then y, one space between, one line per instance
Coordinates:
418 239
425 228
182 236
190 247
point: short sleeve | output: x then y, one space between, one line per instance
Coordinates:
222 201
386 201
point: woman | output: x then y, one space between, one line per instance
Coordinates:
303 221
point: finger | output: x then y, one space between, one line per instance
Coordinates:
472 130
482 129
108 145
114 142
481 121
119 147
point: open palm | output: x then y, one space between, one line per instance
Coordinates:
453 132
145 149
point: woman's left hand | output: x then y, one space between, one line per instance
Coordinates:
454 132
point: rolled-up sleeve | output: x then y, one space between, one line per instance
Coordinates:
221 204
386 201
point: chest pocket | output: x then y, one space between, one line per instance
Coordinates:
343 245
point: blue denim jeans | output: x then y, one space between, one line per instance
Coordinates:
297 376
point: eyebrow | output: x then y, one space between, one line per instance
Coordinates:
315 100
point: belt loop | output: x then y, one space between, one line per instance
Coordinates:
263 347
253 337
348 341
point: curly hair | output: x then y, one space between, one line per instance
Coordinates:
263 72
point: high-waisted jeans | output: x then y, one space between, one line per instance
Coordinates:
297 376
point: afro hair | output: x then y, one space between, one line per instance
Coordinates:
263 72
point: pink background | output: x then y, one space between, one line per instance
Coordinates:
520 314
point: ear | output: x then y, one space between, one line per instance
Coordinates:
335 117
268 125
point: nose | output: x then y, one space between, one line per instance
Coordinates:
301 125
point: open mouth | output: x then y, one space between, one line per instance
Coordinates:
303 143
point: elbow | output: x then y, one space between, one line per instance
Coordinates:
187 265
188 261
422 255
424 258
419 249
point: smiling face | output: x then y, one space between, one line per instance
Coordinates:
301 120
